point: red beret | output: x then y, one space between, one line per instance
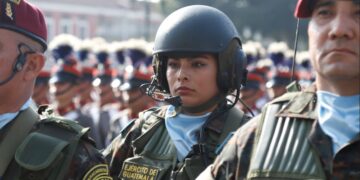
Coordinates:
24 18
253 81
255 77
304 8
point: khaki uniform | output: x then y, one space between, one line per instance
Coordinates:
53 149
144 149
286 142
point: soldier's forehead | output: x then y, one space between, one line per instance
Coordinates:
317 2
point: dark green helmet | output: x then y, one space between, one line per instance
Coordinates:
201 29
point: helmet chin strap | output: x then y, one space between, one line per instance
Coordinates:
203 107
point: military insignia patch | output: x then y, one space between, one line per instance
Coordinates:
17 2
132 171
8 11
98 172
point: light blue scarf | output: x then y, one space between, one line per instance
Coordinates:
183 130
7 117
339 117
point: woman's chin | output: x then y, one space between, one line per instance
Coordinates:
189 104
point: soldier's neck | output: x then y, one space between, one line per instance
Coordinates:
342 87
11 106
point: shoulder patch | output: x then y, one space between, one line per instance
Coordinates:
100 171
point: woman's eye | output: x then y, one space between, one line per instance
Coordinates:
198 64
172 64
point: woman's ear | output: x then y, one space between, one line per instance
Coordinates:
34 63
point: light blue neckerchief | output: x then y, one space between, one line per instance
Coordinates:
339 117
183 130
7 117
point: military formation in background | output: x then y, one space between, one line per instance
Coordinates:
96 83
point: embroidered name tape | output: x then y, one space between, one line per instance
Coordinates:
131 171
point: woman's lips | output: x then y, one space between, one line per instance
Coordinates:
183 90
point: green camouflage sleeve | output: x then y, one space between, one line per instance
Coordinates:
120 148
88 163
234 160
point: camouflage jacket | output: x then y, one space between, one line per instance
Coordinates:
241 153
130 144
86 163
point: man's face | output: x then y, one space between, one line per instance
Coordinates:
334 39
85 88
8 54
106 94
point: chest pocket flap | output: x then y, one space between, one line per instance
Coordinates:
38 151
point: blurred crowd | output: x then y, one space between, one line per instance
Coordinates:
98 83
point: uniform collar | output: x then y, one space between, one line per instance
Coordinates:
8 117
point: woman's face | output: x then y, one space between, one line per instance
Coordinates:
193 78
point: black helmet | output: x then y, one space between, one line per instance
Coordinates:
201 29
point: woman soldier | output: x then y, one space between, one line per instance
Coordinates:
198 62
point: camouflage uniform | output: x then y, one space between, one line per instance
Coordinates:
135 139
85 161
237 161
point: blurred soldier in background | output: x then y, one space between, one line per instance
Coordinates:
51 148
117 49
64 84
304 69
276 86
41 89
87 95
277 53
134 100
107 103
254 52
251 93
